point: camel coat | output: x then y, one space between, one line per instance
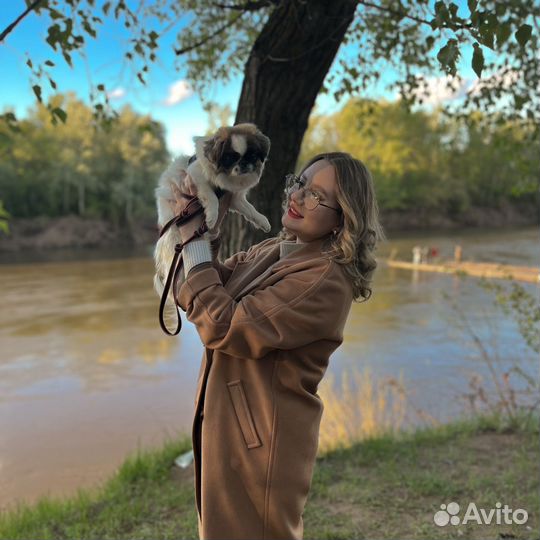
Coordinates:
268 334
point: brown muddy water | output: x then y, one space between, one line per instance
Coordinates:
87 375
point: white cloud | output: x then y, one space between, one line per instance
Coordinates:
436 90
117 93
178 91
180 136
505 79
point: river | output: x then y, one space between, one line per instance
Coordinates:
87 375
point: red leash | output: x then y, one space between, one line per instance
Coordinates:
192 208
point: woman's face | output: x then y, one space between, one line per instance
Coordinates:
309 225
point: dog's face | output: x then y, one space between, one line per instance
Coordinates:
237 154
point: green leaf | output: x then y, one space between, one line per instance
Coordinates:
57 111
49 63
448 55
441 14
523 34
519 101
54 14
472 5
503 33
37 91
492 22
53 34
487 31
500 9
67 58
89 29
478 60
440 7
67 30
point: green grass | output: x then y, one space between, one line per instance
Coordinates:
385 487
143 500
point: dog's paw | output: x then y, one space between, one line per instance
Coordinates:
211 219
263 223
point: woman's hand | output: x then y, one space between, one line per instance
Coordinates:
180 202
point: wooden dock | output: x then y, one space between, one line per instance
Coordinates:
529 274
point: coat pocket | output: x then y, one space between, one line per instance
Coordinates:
243 414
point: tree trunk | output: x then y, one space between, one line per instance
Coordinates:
282 78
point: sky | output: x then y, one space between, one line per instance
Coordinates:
167 97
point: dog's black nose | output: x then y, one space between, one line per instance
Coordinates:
246 168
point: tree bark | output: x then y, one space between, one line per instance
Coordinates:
282 78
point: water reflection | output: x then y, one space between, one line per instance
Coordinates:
86 374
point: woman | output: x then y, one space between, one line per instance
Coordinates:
269 319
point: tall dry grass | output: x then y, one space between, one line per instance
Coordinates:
361 407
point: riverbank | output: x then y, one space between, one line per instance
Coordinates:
43 233
385 487
71 231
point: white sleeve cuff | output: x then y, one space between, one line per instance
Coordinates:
196 252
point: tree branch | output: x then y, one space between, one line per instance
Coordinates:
10 27
405 15
208 37
250 5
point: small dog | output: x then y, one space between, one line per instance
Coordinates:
232 159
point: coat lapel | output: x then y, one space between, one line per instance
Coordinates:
249 274
252 274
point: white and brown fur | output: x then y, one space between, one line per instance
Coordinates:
232 159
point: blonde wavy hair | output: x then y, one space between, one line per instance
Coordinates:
354 245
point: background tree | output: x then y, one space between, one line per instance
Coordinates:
426 161
287 47
421 161
80 168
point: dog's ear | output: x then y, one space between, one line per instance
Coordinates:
263 142
213 148
246 127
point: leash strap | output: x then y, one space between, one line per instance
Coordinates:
192 208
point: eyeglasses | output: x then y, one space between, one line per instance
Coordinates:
311 198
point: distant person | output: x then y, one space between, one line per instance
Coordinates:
424 254
416 254
434 252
